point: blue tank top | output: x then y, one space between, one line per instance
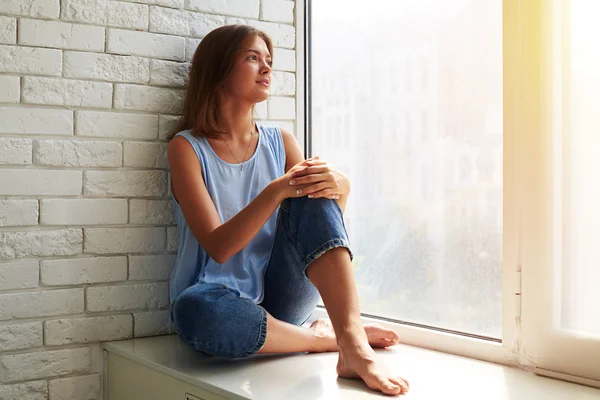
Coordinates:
231 189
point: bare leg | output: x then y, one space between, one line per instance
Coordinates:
287 338
332 275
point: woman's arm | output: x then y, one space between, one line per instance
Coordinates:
220 241
318 179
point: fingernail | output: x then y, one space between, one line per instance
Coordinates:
292 182
299 191
310 196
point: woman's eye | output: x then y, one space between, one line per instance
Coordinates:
252 58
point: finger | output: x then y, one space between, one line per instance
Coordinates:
326 193
310 189
313 162
309 179
318 169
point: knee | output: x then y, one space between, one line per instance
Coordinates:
215 321
188 310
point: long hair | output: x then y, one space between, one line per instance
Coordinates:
212 65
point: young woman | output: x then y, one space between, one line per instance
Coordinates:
261 229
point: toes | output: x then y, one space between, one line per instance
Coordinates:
401 383
383 385
393 337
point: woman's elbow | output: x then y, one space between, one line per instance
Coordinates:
219 255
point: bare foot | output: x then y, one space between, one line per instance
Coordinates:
358 360
378 336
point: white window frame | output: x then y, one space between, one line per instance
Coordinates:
551 351
524 289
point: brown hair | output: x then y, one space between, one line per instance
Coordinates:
212 65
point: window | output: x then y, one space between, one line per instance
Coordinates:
447 276
477 212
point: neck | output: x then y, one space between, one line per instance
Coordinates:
235 119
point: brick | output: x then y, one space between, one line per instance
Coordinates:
106 67
282 35
83 211
183 23
143 154
172 239
39 182
27 60
8 30
152 323
169 73
15 151
151 212
10 87
236 8
36 121
44 364
77 271
66 92
41 304
166 125
34 390
19 275
151 268
78 387
149 99
60 35
284 84
89 11
284 59
282 108
190 48
127 297
18 212
127 15
60 242
235 21
124 240
85 330
20 336
31 8
124 183
107 13
75 153
145 44
117 125
277 11
165 3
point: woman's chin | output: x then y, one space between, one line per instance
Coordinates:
261 96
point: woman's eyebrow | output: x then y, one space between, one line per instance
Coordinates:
257 52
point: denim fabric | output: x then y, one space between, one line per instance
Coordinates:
214 319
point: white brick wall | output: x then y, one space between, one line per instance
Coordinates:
10 86
89 91
79 387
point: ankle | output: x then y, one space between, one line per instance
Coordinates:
352 336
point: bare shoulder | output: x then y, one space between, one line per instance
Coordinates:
179 147
181 155
287 135
293 152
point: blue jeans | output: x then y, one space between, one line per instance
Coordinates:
212 318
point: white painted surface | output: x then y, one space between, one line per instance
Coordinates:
432 375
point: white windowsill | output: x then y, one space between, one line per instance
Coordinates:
432 375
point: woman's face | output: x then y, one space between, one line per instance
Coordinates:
251 77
